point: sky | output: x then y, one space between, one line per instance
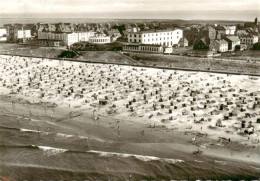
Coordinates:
85 6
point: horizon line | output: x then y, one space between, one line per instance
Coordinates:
126 11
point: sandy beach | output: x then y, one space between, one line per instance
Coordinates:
63 113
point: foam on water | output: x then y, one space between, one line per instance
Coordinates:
221 162
139 157
198 161
83 137
65 135
51 151
29 130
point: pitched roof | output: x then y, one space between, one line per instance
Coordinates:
220 28
221 41
183 40
232 38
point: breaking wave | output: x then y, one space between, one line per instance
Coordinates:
59 135
50 151
29 130
139 157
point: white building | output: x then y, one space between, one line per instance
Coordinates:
221 46
3 34
156 37
99 38
248 39
230 30
24 34
67 38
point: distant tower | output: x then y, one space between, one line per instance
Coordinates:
256 21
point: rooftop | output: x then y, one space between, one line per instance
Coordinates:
221 41
153 31
232 38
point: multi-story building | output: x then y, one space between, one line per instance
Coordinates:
18 32
23 34
3 34
67 38
156 37
248 40
221 46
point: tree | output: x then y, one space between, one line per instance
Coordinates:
256 46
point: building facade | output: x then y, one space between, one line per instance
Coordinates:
67 38
230 30
24 34
99 38
221 46
143 48
3 34
156 37
248 40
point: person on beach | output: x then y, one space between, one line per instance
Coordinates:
142 132
193 139
118 130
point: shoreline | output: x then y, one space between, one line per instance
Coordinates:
212 149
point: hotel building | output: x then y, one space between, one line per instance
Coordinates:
156 37
159 41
